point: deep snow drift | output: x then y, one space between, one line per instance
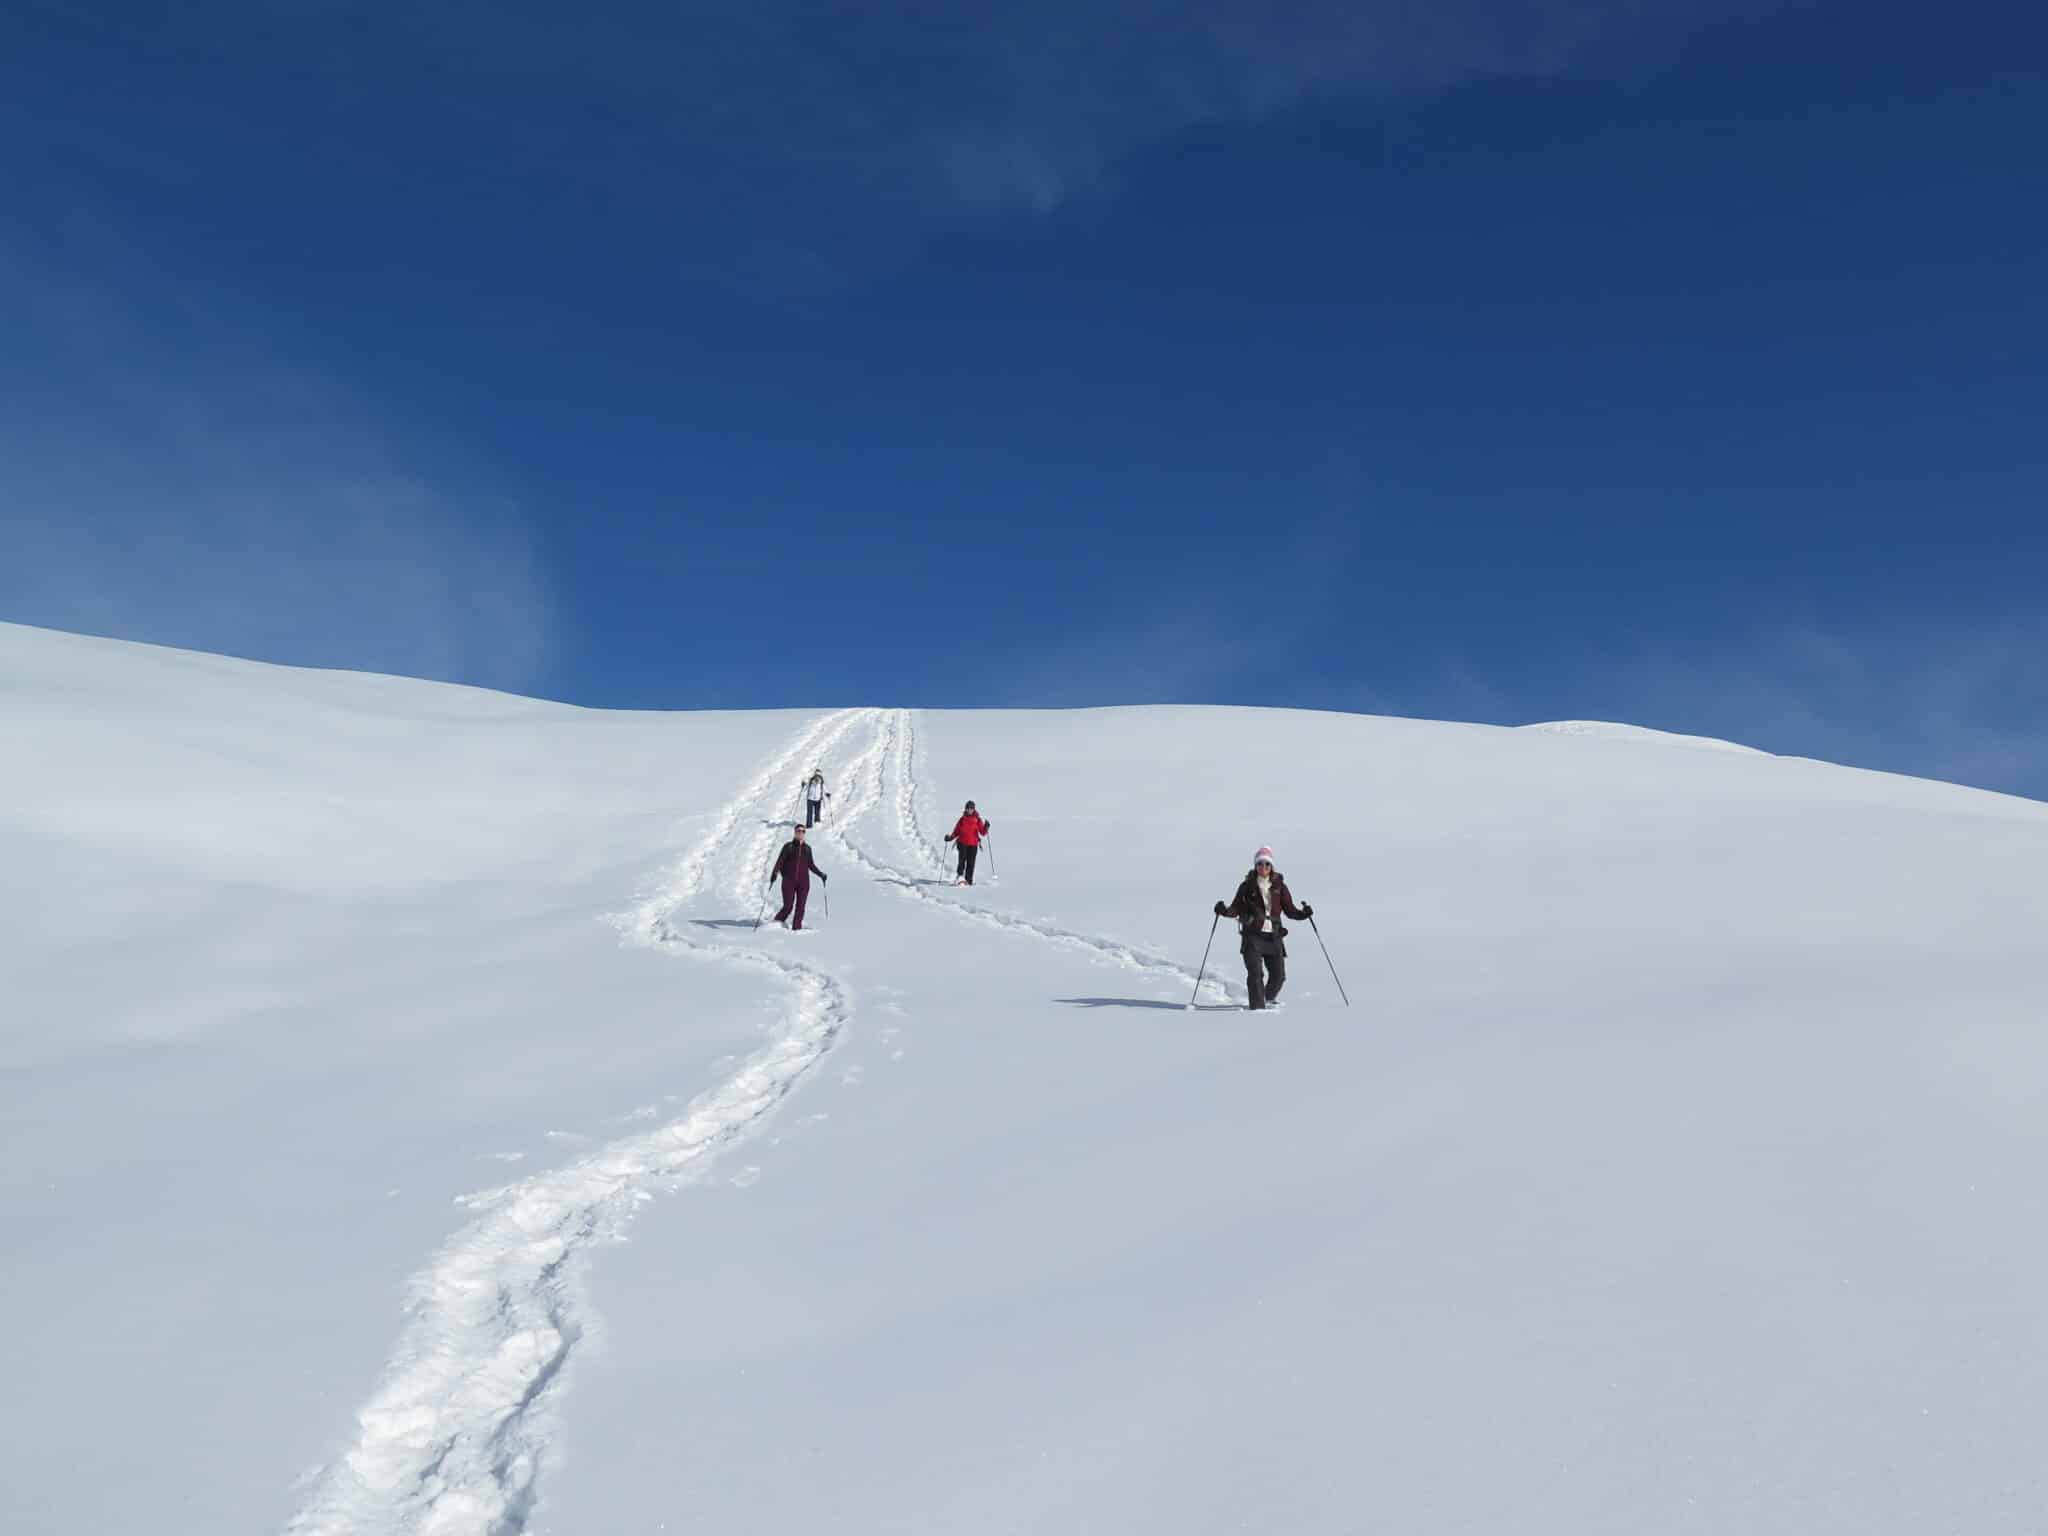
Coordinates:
1677 1167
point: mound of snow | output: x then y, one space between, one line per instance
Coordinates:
1610 730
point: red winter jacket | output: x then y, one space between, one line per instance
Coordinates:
970 829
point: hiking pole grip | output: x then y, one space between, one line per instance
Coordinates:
1213 921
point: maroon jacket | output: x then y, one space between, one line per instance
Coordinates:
1244 906
795 863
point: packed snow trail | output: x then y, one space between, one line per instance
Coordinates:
451 1442
893 755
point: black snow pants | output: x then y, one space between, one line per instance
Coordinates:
969 852
1265 967
811 810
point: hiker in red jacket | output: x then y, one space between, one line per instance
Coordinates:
794 868
1262 899
968 832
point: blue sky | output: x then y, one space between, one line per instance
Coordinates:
1669 362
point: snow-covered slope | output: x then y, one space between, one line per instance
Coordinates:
1609 730
1676 1168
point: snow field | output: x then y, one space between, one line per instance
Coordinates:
1630 1197
1677 1169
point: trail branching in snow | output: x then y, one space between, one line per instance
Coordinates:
451 1443
897 758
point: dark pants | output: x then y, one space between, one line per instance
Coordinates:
812 810
1265 967
968 853
795 893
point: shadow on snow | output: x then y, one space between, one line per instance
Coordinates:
1146 1002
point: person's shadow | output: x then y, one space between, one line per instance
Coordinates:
1145 1002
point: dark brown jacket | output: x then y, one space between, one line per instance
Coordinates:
1244 906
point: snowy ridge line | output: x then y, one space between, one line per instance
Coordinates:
899 757
451 1442
1638 735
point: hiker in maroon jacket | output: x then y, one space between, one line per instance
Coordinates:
968 832
1261 901
794 867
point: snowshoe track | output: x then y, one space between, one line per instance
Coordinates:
895 753
451 1442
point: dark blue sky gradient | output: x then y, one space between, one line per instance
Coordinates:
1687 365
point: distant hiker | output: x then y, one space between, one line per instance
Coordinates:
815 796
794 867
1261 901
968 832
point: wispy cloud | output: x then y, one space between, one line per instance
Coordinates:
1056 96
212 494
930 107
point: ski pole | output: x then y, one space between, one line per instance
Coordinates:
764 908
827 894
990 839
1331 964
1205 960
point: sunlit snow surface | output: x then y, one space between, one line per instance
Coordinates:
1608 730
1678 1166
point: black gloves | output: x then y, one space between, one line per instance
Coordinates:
1307 910
1221 910
949 837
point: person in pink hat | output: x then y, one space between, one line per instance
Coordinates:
1261 901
